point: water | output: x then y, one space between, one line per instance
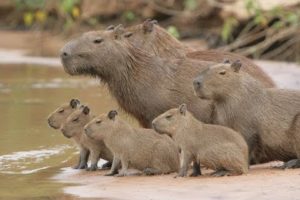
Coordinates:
31 152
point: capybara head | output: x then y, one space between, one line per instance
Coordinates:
96 53
59 115
74 124
101 126
218 80
171 121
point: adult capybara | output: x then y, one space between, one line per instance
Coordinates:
137 148
263 116
72 127
216 147
156 40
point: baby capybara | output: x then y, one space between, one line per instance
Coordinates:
135 148
72 127
216 147
263 116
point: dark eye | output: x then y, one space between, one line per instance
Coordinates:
98 122
75 120
169 117
222 72
98 40
61 111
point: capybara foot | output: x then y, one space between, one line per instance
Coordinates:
180 174
111 174
130 172
93 167
292 164
75 167
106 165
82 166
196 171
220 173
151 171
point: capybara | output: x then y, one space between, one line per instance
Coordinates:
214 146
263 116
72 127
144 85
156 40
135 148
60 114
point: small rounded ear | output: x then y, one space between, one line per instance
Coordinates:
154 21
110 28
128 34
226 61
236 65
86 110
118 31
183 109
74 103
148 25
112 114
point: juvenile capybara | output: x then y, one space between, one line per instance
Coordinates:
72 127
135 148
144 84
156 40
216 147
263 116
60 114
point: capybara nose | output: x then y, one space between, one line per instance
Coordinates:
65 52
85 130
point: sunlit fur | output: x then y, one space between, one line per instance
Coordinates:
214 146
136 148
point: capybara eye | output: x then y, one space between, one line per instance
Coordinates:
169 117
98 40
75 120
222 72
98 122
61 111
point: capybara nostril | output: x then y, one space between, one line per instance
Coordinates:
197 83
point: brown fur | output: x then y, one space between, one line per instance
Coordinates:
216 147
138 148
263 116
72 127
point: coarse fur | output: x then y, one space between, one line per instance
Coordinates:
72 127
216 147
263 116
137 148
143 84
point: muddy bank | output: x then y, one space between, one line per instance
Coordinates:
262 182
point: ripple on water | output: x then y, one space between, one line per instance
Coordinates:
27 162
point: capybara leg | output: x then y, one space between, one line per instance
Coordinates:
95 156
78 164
129 172
185 158
196 169
114 167
220 173
152 171
106 165
123 171
84 156
292 164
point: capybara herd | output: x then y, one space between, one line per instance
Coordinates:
214 109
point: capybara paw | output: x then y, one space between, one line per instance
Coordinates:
180 175
92 168
194 174
106 165
84 166
111 174
220 173
75 167
292 164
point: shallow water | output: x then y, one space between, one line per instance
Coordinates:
31 152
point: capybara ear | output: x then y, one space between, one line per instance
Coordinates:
86 110
74 103
236 65
128 34
183 109
226 61
110 28
154 21
112 114
118 31
148 25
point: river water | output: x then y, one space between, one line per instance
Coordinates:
31 152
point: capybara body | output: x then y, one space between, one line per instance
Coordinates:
216 147
72 127
137 148
263 116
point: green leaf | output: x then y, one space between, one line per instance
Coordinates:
173 31
129 16
190 5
